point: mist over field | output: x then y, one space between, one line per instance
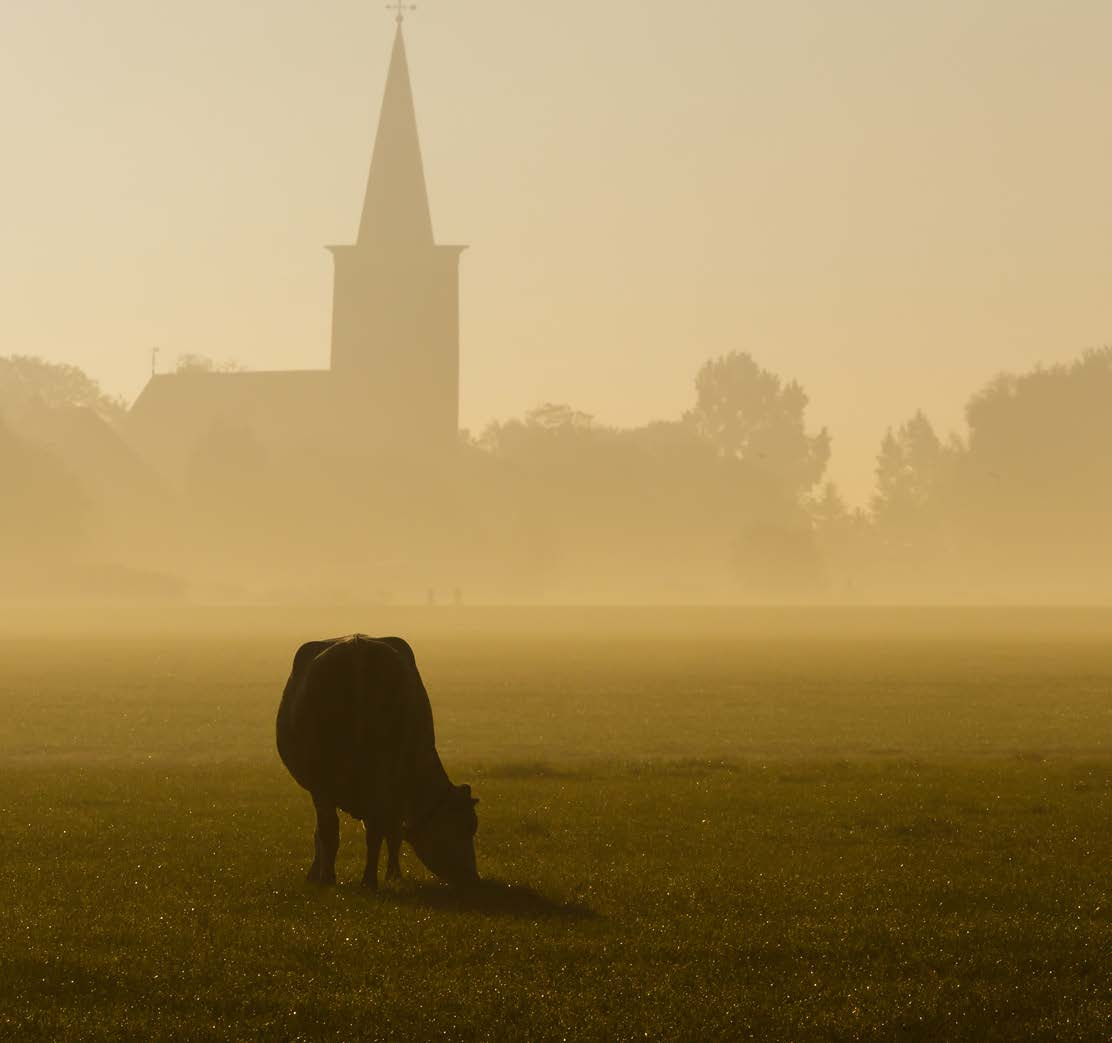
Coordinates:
726 505
666 531
891 387
692 824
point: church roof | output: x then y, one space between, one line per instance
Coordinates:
228 395
175 410
396 205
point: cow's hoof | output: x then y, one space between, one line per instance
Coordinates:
370 883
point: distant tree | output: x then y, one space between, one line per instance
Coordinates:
657 507
559 417
44 506
844 538
835 525
829 509
913 511
752 415
1052 426
538 494
543 424
27 381
1036 481
914 473
191 362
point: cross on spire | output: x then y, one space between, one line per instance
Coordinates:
399 7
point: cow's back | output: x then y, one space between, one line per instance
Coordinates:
349 716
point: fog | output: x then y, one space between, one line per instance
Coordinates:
231 478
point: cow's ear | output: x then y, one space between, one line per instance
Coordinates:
465 790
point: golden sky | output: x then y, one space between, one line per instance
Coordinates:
888 200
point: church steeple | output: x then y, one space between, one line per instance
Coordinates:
396 205
395 306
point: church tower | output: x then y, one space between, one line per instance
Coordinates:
395 312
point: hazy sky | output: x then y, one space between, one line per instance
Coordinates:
889 200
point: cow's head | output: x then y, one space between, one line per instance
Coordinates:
445 840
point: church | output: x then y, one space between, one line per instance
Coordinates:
392 388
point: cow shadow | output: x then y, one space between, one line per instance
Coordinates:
489 897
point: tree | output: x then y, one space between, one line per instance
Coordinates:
1047 430
844 539
545 425
913 472
44 506
914 511
829 509
27 382
1036 481
752 415
191 362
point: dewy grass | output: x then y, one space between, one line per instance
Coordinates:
739 860
941 903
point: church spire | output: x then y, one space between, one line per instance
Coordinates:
395 302
396 206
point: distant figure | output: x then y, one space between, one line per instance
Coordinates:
430 597
457 597
355 729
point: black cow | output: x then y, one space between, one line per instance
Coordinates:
355 729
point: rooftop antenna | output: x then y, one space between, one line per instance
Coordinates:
399 7
154 360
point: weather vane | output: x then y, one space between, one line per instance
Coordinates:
399 7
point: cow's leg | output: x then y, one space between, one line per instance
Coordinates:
327 841
314 869
395 784
374 847
393 850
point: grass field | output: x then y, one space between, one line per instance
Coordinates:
694 825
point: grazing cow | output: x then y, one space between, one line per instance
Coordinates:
355 729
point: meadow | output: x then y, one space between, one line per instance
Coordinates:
694 824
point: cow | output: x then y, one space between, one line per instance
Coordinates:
355 729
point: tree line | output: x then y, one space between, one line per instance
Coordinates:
728 501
